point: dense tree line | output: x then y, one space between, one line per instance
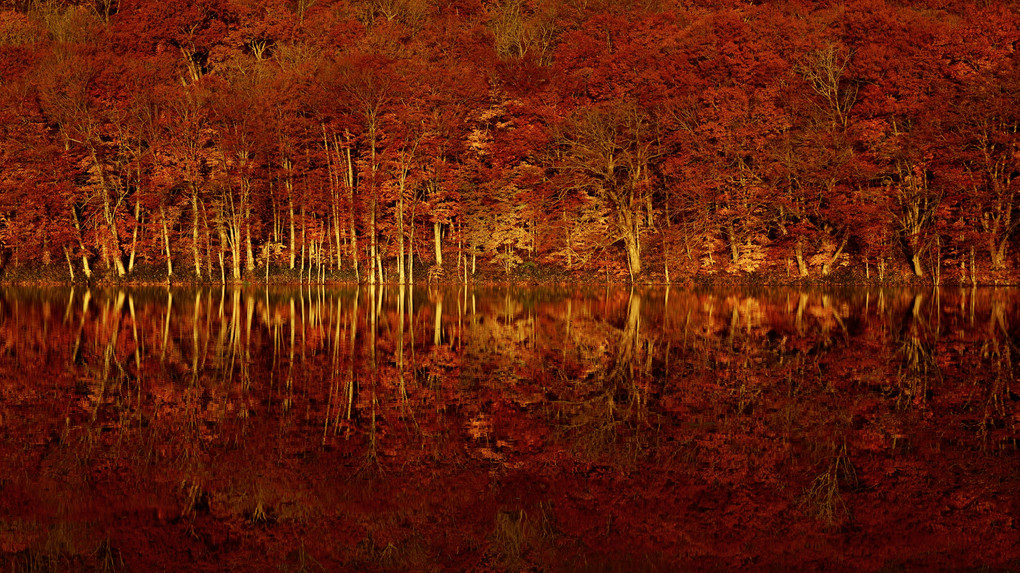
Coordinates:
217 139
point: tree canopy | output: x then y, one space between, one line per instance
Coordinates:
643 140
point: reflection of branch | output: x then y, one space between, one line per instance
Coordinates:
919 363
824 495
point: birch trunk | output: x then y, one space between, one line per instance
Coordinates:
437 229
166 243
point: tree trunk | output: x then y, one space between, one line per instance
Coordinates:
570 247
222 232
70 266
134 235
915 262
304 235
166 243
401 276
350 206
209 265
265 252
293 235
437 230
245 223
410 250
337 231
235 248
633 256
374 264
827 267
276 214
250 253
373 164
997 251
110 216
973 268
81 244
801 265
194 232
734 248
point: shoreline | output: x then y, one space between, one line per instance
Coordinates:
489 275
488 281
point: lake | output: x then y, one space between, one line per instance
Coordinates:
598 429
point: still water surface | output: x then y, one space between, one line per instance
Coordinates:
508 429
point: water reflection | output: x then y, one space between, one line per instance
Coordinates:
505 428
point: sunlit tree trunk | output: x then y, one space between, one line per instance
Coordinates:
208 242
633 255
334 157
235 251
437 232
134 235
999 225
194 231
112 242
373 262
799 253
404 168
373 165
223 233
221 254
731 237
401 276
972 267
230 227
70 265
289 183
916 266
245 213
827 266
166 243
304 238
86 268
351 181
275 206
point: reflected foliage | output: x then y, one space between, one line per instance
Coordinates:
507 429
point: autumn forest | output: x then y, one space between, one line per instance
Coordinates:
399 140
509 285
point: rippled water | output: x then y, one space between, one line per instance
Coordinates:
508 429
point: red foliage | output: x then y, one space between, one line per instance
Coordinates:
771 129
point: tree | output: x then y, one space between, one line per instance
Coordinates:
913 207
983 145
610 151
368 87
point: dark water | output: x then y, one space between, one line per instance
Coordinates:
508 429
